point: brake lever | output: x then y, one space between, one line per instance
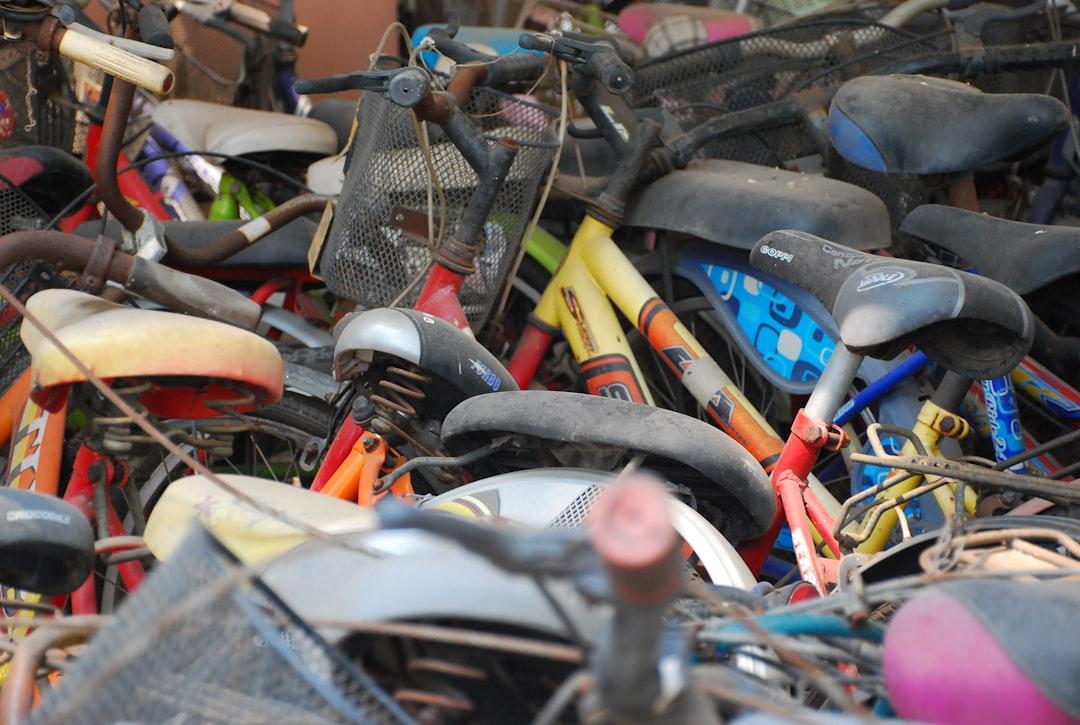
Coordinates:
405 87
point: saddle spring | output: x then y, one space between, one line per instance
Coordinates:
118 434
400 391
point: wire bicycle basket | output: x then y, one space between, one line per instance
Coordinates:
203 640
31 87
18 212
372 256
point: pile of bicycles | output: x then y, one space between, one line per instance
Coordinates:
637 363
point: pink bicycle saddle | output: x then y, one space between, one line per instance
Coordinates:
987 651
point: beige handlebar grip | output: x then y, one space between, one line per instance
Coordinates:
115 61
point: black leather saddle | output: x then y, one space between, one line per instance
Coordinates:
46 545
284 247
1022 256
433 345
969 324
339 114
669 439
906 124
735 204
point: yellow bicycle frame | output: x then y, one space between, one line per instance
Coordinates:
593 274
929 430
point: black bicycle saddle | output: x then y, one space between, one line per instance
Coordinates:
592 422
46 545
433 345
969 324
905 124
1022 256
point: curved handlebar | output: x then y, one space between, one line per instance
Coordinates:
498 70
598 61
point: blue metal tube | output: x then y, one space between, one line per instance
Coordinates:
795 624
881 387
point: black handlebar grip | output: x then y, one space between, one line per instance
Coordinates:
287 32
154 27
610 70
332 84
515 68
456 50
536 41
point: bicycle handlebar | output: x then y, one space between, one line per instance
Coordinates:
598 61
406 87
109 59
154 26
498 71
263 22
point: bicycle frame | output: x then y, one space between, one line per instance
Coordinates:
576 302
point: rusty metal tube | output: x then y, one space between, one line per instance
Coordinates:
176 290
67 251
250 233
17 695
112 138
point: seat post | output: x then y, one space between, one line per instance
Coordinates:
832 388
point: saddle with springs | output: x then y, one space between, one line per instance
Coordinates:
968 324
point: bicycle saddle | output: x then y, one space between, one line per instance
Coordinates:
51 177
735 204
253 535
1022 256
46 545
966 323
904 124
338 114
691 448
986 650
126 342
284 247
203 126
433 345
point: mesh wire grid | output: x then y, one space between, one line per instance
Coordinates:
766 66
370 260
209 65
53 122
19 212
201 641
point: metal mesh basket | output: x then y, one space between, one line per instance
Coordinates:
50 122
763 67
19 212
209 65
368 257
202 641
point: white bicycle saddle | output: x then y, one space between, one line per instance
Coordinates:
223 129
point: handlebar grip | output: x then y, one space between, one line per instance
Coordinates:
610 70
515 68
114 61
536 41
332 84
454 49
292 34
193 295
154 26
